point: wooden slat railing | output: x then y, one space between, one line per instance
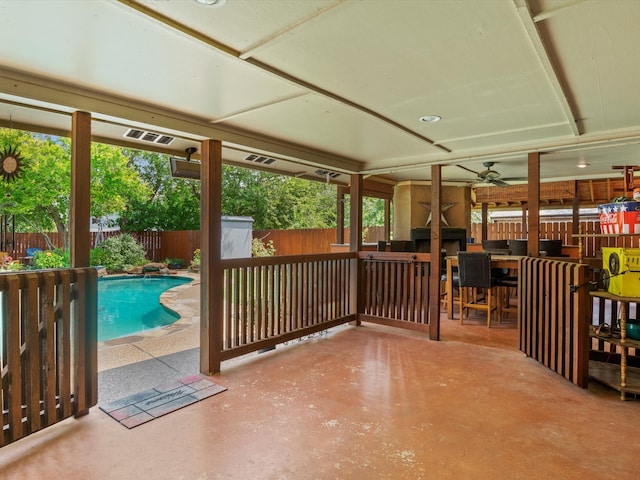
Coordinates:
48 355
394 289
555 314
272 300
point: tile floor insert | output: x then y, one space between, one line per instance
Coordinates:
150 404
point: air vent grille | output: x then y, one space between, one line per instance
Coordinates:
325 173
260 159
149 137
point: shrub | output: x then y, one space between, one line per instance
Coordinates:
195 261
174 261
120 253
9 264
262 249
48 259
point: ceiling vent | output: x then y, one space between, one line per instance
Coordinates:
260 159
327 173
149 137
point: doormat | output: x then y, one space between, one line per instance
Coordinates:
156 402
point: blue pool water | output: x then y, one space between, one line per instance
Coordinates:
128 305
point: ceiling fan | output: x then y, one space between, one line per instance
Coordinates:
488 175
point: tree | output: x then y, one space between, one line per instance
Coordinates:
40 196
173 204
276 201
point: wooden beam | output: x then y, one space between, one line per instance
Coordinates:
355 243
211 273
80 189
355 212
340 215
485 221
436 247
387 219
575 217
533 202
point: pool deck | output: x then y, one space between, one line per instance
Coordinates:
131 364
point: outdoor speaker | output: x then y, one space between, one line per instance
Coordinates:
621 271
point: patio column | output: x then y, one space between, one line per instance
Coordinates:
80 242
533 202
340 216
436 247
211 273
355 240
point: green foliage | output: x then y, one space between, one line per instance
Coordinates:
8 264
49 259
40 196
97 256
174 261
276 201
120 252
195 261
173 203
260 248
372 211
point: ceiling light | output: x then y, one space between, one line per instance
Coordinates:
430 118
212 3
582 164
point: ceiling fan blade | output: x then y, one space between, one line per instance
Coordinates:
468 169
497 182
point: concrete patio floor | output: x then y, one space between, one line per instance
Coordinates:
355 403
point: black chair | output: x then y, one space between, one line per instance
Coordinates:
552 248
495 245
455 278
518 246
474 271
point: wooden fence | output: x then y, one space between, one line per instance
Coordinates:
558 229
554 306
181 244
311 241
48 354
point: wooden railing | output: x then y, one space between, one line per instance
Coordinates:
48 355
394 289
555 311
272 300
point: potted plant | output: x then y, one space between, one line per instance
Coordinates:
174 263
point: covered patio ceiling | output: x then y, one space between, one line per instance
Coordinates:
338 85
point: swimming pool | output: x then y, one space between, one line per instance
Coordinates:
129 305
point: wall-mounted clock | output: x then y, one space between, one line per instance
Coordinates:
10 164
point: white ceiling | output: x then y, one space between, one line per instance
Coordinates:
339 84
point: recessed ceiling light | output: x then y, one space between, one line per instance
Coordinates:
582 165
212 3
430 118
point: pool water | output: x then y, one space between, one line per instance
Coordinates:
130 305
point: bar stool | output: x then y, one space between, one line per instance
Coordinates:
474 270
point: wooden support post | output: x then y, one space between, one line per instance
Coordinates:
340 216
485 221
533 202
211 273
86 345
575 216
80 189
355 242
387 220
436 247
